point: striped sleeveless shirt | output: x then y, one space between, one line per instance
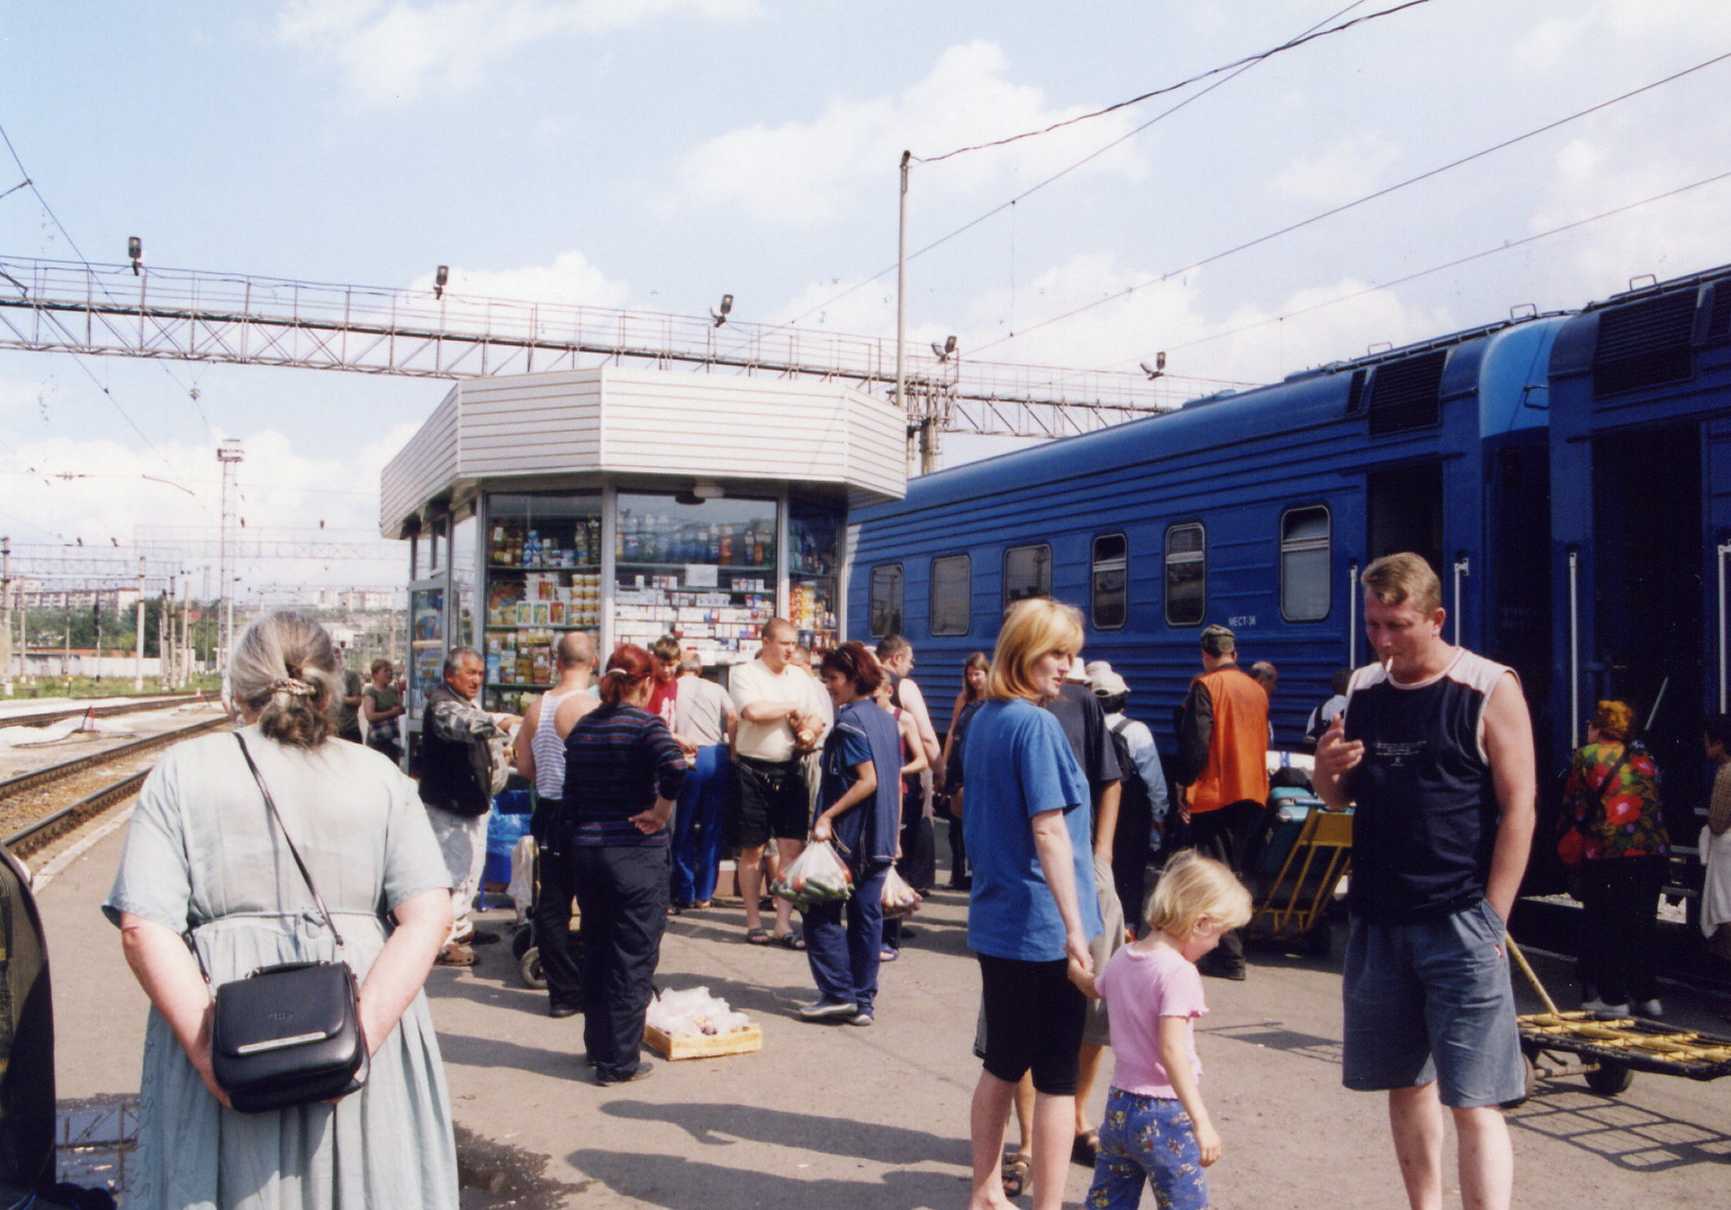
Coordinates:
548 748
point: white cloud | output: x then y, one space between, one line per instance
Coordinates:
569 278
1349 168
390 50
809 173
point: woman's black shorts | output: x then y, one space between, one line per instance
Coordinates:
1033 1020
774 801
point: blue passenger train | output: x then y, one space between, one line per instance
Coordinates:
1258 509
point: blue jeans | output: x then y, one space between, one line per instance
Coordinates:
844 959
697 825
1152 1139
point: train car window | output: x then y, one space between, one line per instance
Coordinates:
1027 573
1111 581
1186 574
952 592
886 600
1304 578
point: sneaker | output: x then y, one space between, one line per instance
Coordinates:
861 1019
641 1072
1649 1008
1596 1005
826 1010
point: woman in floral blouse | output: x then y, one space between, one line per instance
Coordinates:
1612 801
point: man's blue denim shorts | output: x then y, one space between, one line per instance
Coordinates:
1431 1000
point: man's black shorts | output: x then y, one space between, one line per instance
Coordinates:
774 801
1033 1020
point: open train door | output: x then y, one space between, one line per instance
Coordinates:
26 1036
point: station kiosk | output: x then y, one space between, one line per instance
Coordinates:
631 503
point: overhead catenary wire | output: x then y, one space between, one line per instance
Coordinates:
1457 262
79 252
1363 199
1059 175
1309 35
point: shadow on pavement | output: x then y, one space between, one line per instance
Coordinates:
720 1125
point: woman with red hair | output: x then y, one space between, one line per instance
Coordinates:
623 772
1614 828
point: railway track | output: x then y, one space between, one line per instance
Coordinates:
55 716
20 796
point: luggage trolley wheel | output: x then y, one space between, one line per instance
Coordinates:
1610 1078
522 941
530 969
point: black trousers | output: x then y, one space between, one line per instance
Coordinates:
622 893
1226 835
1621 898
1130 859
550 917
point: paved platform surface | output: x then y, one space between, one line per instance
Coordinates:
835 1116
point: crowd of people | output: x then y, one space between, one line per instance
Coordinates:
1098 897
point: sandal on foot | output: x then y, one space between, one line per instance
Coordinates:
1016 1171
1086 1149
757 936
793 939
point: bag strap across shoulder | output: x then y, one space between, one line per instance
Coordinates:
270 804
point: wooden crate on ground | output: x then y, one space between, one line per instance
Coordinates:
704 1046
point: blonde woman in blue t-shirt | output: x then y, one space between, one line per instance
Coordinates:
1033 910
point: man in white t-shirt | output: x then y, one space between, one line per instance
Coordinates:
779 717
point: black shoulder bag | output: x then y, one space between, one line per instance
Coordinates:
290 1034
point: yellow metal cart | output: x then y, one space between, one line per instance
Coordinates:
1293 907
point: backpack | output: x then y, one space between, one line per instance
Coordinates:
1134 802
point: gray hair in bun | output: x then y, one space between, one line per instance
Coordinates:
286 668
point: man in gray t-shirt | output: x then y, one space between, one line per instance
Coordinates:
704 717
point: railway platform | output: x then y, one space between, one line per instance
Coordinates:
875 1117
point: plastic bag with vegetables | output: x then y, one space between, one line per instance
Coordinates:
899 899
816 876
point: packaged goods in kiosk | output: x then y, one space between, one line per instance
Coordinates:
817 875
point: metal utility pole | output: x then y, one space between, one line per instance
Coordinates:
6 614
229 454
138 658
23 634
902 297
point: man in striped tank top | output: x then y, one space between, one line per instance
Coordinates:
1435 748
540 757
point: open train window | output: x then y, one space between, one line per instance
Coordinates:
885 614
1304 578
1027 573
1186 574
952 591
1111 581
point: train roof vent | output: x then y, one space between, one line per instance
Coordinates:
1644 344
1406 394
1719 322
1355 394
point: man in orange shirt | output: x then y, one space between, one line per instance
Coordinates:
1223 749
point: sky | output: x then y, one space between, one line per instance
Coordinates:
653 154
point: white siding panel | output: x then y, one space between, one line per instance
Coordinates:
877 446
544 422
422 468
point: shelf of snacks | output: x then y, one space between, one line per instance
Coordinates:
813 533
543 578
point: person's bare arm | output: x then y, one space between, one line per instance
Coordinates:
865 785
1509 745
169 975
523 745
401 968
917 763
571 710
914 702
1106 820
1336 758
1057 862
731 725
767 712
1175 1058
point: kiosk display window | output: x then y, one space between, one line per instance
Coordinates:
703 570
814 553
426 643
543 578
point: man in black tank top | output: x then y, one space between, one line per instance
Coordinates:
1435 748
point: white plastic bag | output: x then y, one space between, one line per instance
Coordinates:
694 1013
816 876
899 899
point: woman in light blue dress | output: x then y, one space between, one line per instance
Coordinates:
203 858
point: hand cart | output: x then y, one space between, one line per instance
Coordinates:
1309 851
1608 1049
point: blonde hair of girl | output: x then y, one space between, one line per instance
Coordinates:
1034 627
1193 888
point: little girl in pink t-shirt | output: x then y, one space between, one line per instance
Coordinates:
1156 1126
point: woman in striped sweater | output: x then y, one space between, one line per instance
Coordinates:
623 772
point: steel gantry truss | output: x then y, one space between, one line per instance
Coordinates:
189 315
